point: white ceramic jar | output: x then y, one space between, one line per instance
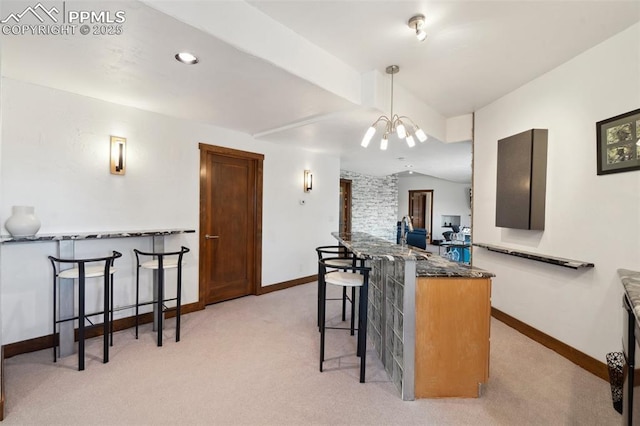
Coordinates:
23 222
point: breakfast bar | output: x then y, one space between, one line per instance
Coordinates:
66 243
428 318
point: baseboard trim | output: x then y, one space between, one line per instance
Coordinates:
44 342
581 359
286 284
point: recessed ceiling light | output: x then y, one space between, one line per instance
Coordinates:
186 58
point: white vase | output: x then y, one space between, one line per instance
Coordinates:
22 223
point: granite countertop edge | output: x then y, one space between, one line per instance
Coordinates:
93 235
428 264
631 283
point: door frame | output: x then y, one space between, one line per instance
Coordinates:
347 187
431 191
257 160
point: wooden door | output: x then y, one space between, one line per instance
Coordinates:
230 223
417 202
421 210
345 206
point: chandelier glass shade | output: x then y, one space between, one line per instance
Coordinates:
403 126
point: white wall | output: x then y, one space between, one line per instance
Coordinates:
588 217
460 128
55 152
449 198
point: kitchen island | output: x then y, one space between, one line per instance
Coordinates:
428 318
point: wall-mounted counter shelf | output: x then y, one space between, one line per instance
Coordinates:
4 239
560 261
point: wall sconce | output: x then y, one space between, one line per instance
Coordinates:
308 181
118 155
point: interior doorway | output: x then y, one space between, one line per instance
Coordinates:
345 206
230 223
421 210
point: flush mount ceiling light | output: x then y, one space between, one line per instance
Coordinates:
186 58
416 23
394 124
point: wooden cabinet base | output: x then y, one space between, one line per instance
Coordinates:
452 336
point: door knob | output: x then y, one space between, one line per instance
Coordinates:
211 237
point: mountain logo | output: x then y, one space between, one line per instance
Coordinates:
39 11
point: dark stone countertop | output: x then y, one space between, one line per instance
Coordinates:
631 283
6 239
428 264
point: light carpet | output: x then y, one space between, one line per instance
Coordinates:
254 361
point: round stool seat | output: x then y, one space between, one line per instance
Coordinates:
89 272
166 264
345 279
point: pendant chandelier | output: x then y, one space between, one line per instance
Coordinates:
403 126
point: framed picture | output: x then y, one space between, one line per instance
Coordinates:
618 143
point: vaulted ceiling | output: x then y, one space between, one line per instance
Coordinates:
310 73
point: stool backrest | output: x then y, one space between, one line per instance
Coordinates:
333 251
161 255
108 262
327 262
336 253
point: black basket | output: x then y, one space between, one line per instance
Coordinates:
615 364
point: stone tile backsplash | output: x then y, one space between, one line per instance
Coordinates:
374 204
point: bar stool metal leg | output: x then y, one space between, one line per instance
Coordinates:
137 293
160 299
179 302
323 307
81 315
353 309
55 309
111 311
108 314
344 304
362 326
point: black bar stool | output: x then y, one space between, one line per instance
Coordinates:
160 262
347 276
81 272
341 257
